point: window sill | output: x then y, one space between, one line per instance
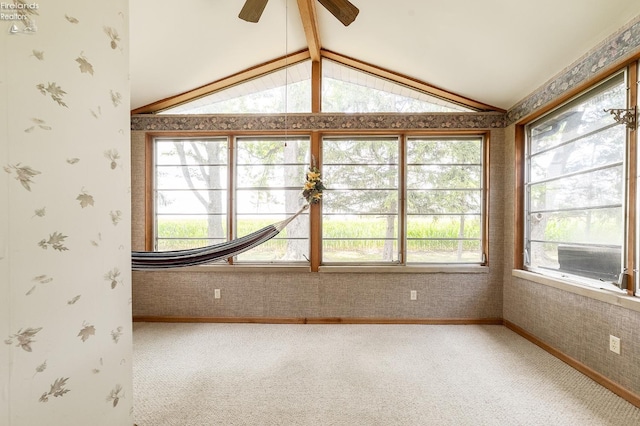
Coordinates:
238 268
422 269
607 296
378 269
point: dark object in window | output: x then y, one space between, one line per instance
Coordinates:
603 263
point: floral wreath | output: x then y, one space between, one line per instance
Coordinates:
313 187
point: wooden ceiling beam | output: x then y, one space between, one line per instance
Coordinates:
309 18
315 52
232 80
408 81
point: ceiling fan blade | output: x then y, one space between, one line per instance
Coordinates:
341 9
252 10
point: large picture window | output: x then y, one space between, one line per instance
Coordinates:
361 205
444 200
575 192
190 193
388 200
192 201
417 202
268 176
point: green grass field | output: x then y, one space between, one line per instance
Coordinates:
344 240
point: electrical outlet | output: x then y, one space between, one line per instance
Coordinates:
614 344
414 295
216 293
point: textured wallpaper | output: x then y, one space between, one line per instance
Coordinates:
258 294
576 325
66 172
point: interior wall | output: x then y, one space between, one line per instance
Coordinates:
317 295
264 294
5 353
65 235
577 325
574 324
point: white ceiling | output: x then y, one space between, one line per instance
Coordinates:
492 51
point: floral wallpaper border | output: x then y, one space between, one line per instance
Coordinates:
612 52
317 122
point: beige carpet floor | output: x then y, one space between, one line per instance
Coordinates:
274 374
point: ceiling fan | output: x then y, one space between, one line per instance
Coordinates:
343 10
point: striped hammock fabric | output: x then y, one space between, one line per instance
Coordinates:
151 260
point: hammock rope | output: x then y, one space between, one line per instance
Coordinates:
149 260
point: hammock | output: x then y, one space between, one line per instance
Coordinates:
149 260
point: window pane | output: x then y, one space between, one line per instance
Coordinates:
340 202
444 200
599 263
190 192
465 176
193 225
443 251
275 250
444 227
281 91
270 173
361 151
260 202
361 174
445 151
191 202
580 117
191 177
590 189
360 205
359 239
588 226
592 151
167 244
346 89
575 188
191 151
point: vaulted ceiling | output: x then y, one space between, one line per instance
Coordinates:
495 52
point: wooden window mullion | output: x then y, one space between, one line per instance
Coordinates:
518 242
149 191
485 199
402 198
632 236
315 212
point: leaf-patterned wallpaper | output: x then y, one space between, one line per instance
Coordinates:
6 330
64 212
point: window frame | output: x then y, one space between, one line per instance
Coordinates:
155 190
630 163
483 193
234 188
399 234
315 263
